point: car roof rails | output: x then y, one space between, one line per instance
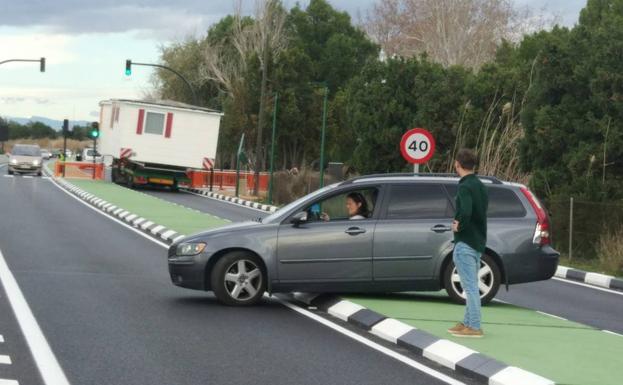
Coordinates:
492 179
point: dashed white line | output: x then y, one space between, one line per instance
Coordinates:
551 315
5 360
48 366
8 382
613 333
1 338
589 286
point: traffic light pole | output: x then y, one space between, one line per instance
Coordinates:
94 153
41 61
192 91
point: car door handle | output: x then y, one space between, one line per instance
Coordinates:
441 228
355 230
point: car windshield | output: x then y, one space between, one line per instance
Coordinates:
91 152
283 211
26 151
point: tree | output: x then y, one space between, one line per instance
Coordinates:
450 32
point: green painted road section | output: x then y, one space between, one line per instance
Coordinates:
563 351
181 219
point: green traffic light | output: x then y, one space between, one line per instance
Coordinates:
95 133
128 72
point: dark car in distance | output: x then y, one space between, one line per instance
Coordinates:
404 244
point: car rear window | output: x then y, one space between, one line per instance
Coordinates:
418 201
503 203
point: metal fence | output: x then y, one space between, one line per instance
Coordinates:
577 225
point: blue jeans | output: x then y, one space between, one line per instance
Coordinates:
467 262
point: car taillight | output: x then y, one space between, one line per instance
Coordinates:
541 233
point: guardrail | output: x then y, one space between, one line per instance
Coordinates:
79 170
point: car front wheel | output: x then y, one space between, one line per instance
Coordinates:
238 279
489 279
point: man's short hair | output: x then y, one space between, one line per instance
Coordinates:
467 159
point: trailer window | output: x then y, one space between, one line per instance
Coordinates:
154 124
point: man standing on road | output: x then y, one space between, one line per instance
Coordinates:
470 238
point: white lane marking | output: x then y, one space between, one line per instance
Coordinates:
589 286
1 338
48 366
514 376
27 176
382 349
5 360
8 382
8 176
404 359
613 333
551 315
229 203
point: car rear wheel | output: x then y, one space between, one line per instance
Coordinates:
10 172
238 279
489 279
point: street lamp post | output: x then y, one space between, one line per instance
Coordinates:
272 150
128 72
322 136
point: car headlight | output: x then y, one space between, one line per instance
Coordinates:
13 161
189 249
36 162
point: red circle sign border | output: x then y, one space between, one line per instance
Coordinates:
403 143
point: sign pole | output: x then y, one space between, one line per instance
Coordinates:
416 168
211 177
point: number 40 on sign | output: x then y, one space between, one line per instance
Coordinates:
417 147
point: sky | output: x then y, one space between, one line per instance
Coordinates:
86 43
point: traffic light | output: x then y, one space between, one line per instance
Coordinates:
42 65
128 67
95 130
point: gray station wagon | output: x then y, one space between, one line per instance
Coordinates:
404 243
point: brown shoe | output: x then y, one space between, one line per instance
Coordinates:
460 326
469 332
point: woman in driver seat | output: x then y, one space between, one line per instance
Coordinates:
357 206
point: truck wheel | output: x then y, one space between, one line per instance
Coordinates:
489 279
238 279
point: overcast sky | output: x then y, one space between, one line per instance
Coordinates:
86 43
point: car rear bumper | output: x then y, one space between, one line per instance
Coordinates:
537 266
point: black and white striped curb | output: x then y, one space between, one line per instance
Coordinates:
238 201
456 357
595 279
148 227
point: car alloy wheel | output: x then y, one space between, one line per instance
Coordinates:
238 279
489 278
243 280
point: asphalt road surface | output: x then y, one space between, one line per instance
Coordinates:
102 298
599 309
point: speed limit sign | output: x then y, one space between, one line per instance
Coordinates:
417 146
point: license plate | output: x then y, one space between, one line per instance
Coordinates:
161 181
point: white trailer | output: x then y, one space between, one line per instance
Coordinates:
156 142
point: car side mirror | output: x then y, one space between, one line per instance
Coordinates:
299 219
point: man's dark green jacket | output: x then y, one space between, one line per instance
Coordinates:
472 201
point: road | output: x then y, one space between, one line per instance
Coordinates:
102 298
599 309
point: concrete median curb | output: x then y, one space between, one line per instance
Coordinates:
449 354
158 232
234 200
594 279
